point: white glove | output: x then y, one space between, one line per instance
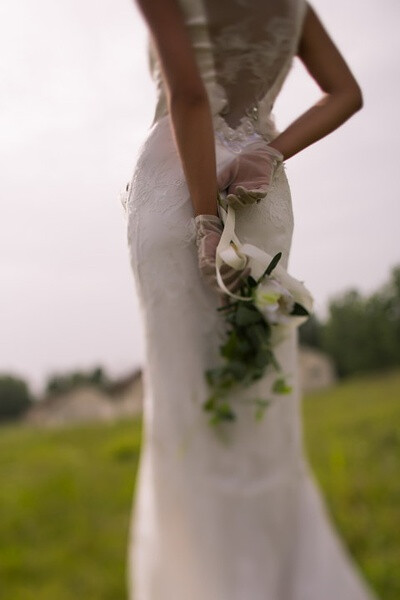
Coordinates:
208 233
248 177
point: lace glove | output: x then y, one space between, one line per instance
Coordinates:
208 233
248 177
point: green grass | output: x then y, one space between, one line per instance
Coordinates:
353 442
65 499
66 494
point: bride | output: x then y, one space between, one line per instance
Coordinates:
228 511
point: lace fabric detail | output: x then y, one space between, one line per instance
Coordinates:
278 213
244 50
236 138
252 43
166 190
238 54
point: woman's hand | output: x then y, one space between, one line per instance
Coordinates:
208 234
248 178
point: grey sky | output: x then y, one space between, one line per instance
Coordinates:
76 102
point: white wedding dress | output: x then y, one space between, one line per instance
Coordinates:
234 515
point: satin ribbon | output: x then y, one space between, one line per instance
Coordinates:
231 251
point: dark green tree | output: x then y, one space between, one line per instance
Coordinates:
60 384
363 333
310 332
15 397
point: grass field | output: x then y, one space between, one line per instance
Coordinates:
66 494
353 441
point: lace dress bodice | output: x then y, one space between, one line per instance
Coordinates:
244 50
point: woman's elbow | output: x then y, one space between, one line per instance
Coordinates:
351 98
357 98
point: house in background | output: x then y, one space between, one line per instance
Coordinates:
317 370
123 398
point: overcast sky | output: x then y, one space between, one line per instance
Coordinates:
77 100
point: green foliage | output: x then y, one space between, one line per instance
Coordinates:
271 266
60 384
247 352
310 332
363 333
280 386
15 397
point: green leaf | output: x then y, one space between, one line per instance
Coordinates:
225 412
298 309
212 374
281 387
274 362
271 266
261 405
228 306
259 334
261 402
230 348
237 369
245 291
251 282
262 358
209 404
222 412
244 347
259 413
253 374
246 315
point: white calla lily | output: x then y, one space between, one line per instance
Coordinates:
274 301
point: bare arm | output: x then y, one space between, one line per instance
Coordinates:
342 95
187 100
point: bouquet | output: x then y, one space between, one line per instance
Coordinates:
269 302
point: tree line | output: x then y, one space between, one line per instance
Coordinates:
362 332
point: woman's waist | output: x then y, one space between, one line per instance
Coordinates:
235 138
248 130
233 121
